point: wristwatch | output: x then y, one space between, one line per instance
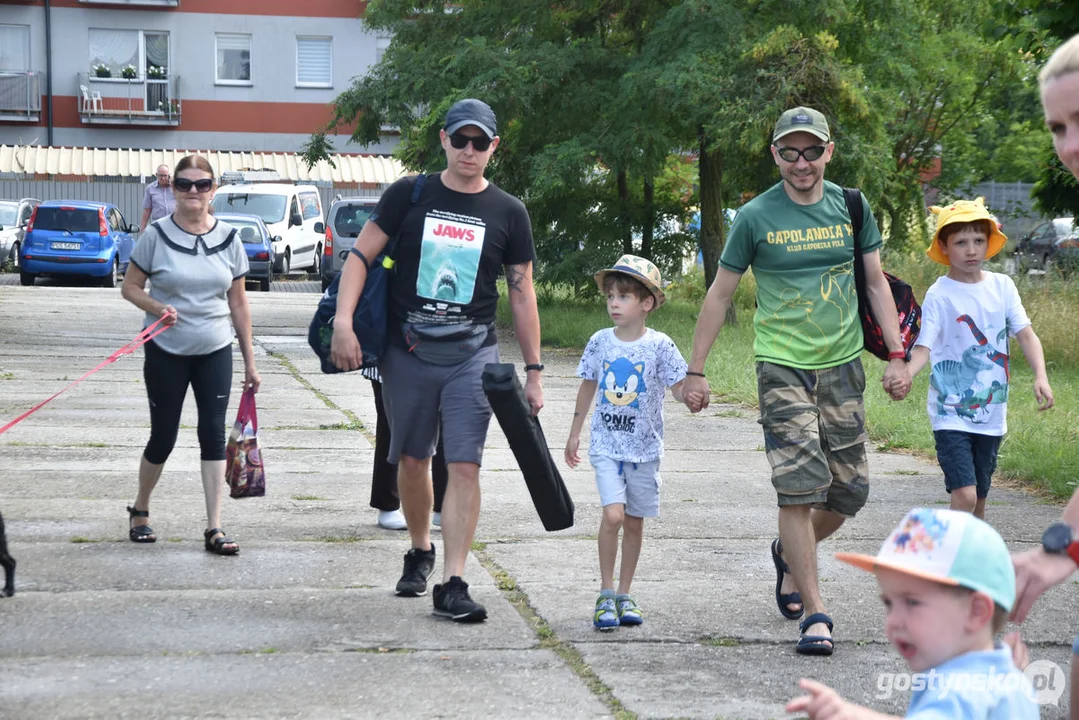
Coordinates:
535 366
1058 539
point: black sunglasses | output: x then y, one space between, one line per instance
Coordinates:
791 154
185 185
480 143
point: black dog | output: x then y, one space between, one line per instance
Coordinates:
7 562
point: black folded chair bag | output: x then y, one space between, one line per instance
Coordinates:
522 429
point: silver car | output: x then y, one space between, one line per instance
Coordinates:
343 224
14 219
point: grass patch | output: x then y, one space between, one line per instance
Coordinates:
79 540
548 640
1041 448
357 425
307 497
7 376
902 472
721 642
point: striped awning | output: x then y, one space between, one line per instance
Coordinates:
103 162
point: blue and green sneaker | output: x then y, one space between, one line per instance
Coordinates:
606 615
628 612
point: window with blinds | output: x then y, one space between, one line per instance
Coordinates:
233 59
314 61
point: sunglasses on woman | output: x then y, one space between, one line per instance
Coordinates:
480 143
185 185
791 155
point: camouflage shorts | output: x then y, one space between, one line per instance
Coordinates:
814 435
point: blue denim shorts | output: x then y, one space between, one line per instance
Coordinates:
967 459
635 485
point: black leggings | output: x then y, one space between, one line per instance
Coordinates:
167 377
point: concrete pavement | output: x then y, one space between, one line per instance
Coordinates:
303 623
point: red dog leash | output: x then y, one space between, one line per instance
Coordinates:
141 339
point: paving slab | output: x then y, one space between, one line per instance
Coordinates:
304 622
386 682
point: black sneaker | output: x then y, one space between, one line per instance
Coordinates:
418 568
452 601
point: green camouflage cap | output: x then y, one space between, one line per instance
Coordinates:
801 119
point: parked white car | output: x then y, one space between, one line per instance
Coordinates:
14 217
292 214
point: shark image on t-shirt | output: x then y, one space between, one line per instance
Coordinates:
449 259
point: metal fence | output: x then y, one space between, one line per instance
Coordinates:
127 193
1011 203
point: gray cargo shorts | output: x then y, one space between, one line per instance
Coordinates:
415 392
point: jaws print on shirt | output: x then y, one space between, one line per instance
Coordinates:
450 257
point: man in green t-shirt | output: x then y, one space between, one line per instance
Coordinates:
797 237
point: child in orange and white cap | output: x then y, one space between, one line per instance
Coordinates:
947 583
967 318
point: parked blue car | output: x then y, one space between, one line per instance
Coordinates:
258 244
76 237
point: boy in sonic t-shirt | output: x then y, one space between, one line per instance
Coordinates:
625 371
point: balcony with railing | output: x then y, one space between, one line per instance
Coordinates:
146 100
20 95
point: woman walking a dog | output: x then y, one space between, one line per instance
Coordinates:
196 266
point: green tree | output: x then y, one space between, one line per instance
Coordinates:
584 154
727 70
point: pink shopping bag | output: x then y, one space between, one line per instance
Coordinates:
243 460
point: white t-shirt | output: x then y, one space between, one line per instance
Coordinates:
966 327
627 422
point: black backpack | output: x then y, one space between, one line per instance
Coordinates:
907 307
371 318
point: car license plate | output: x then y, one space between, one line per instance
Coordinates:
66 246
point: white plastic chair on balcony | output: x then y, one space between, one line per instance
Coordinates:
91 99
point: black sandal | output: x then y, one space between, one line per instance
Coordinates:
785 600
139 533
217 545
815 644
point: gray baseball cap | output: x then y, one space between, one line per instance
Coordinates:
471 112
801 119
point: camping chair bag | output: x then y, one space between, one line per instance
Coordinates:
522 429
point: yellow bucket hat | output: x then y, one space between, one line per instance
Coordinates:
639 269
964 211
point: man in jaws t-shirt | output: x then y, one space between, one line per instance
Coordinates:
451 247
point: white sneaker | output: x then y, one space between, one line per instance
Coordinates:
392 520
436 519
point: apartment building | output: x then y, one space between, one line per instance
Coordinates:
225 75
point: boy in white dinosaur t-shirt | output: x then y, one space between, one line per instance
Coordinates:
967 317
